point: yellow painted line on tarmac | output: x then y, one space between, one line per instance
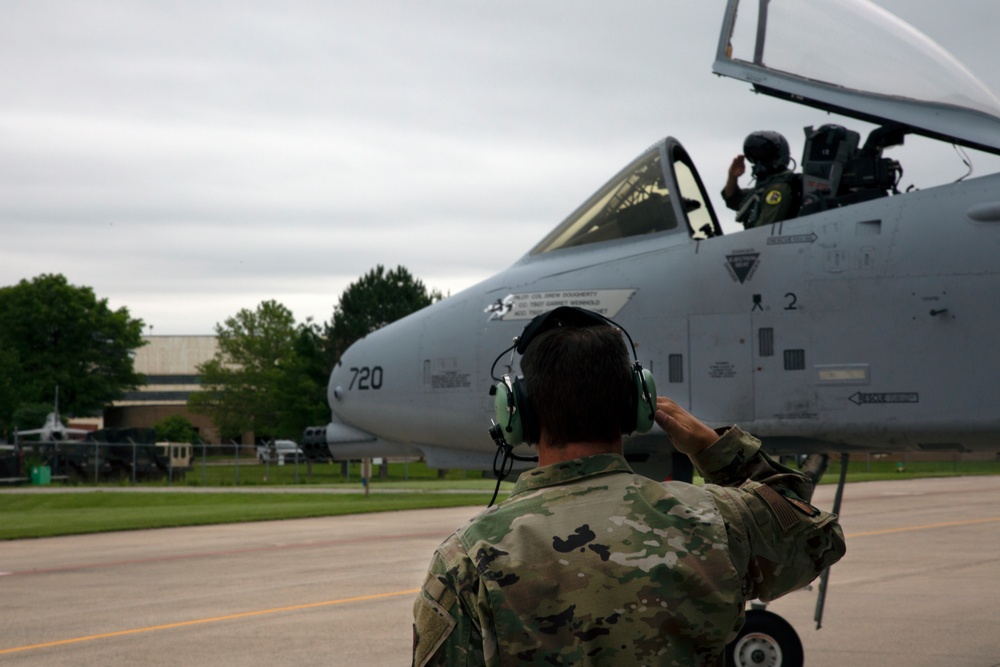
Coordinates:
366 598
202 621
929 526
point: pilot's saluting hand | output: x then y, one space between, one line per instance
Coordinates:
687 433
738 167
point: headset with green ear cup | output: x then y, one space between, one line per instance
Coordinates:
645 391
513 411
515 419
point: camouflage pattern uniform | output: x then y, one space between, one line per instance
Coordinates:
773 200
587 563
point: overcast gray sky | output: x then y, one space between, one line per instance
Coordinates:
187 159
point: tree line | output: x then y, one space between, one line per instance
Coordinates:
268 376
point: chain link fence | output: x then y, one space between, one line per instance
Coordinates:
199 464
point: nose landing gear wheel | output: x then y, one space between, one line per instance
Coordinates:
766 640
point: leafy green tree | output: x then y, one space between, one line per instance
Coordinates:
175 428
10 385
263 377
376 299
56 334
31 416
302 389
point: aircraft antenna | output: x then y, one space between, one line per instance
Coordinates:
824 578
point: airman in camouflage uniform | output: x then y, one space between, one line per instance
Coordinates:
588 563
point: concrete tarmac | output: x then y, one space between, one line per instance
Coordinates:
920 586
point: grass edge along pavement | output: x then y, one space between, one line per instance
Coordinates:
27 514
34 515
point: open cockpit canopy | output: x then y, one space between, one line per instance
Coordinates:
853 58
660 191
849 57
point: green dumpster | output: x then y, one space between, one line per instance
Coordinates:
41 475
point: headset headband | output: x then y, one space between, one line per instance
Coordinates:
561 316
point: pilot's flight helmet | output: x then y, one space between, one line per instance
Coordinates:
768 153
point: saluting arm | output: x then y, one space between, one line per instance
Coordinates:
779 542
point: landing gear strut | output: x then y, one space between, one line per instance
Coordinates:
767 640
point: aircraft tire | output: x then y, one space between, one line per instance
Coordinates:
766 640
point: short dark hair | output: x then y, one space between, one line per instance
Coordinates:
580 383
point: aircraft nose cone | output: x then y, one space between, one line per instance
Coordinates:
336 391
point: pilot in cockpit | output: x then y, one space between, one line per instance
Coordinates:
777 192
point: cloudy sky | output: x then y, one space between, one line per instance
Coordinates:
187 159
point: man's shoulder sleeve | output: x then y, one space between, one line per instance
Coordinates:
434 617
444 631
733 201
780 542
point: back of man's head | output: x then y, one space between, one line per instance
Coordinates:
580 383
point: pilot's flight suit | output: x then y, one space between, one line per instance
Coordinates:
589 563
772 200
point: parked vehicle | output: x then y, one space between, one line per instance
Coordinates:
280 451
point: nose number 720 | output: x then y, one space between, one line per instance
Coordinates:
366 377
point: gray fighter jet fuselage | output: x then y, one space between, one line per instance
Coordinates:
867 322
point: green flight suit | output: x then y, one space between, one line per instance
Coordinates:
772 200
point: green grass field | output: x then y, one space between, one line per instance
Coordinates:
51 514
252 473
110 508
898 466
416 474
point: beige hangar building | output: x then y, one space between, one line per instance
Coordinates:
170 364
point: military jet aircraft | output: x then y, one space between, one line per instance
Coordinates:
865 323
53 430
